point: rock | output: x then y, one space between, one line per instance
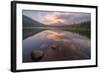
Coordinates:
37 55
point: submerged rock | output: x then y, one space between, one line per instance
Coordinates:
36 55
53 45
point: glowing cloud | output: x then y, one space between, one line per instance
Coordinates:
57 18
53 18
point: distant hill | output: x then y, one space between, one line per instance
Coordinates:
28 22
85 25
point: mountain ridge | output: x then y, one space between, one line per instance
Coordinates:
28 22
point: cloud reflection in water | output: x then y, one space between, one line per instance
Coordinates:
56 45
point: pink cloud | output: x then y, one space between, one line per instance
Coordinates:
53 18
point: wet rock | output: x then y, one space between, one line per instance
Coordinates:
36 55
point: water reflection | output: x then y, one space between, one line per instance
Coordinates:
55 45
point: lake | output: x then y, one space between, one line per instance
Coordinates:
55 44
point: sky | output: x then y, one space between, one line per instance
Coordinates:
57 17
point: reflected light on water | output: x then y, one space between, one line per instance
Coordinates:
57 45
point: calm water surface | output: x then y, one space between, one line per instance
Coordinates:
54 45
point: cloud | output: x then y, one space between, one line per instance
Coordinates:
62 18
57 18
53 18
